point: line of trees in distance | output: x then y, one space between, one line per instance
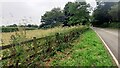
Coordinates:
107 14
28 25
74 13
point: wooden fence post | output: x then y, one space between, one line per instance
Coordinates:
35 44
57 38
16 65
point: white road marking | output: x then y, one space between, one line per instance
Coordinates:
114 58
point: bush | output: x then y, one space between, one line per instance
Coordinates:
114 25
9 29
13 29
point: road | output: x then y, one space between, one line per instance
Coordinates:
112 39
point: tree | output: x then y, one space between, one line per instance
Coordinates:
14 25
115 12
52 18
101 15
31 25
76 13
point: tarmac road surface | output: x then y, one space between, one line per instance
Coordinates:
111 38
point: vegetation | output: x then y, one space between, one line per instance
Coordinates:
6 37
74 13
9 29
107 14
75 45
53 18
38 51
14 29
87 50
115 12
28 25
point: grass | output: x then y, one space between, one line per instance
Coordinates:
34 33
88 50
46 47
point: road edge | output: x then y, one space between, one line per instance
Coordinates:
114 58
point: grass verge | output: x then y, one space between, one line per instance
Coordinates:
88 50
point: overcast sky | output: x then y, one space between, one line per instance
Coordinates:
12 11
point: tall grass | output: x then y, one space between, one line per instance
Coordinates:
43 48
18 36
35 33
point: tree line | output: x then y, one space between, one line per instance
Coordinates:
28 25
74 13
107 14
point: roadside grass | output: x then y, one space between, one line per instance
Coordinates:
88 50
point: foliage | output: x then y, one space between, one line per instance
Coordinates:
9 29
31 25
115 12
107 15
35 33
28 25
52 18
101 14
87 50
114 25
14 29
14 25
76 13
41 49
